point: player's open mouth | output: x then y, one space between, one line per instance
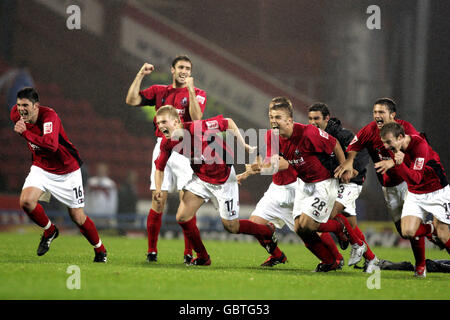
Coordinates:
23 113
275 126
379 122
165 131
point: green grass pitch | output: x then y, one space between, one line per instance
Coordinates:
234 274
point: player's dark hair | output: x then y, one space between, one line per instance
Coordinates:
388 103
181 58
393 127
282 103
320 106
28 93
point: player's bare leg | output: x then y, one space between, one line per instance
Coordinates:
29 198
189 205
89 231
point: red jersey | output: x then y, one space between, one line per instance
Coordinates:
160 95
303 150
369 138
421 167
51 149
283 177
206 150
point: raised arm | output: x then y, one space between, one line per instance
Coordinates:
194 107
133 96
235 130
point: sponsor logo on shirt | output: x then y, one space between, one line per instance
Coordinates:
200 99
212 124
181 112
418 164
296 161
48 127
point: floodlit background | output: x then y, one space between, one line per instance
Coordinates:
243 52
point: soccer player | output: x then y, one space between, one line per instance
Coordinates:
55 171
190 103
428 191
214 178
277 203
319 116
393 186
303 147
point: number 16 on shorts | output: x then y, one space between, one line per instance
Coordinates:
78 194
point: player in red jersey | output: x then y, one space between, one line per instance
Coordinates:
302 147
345 206
428 191
214 177
277 203
394 188
190 103
55 171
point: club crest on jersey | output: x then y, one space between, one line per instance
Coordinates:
297 153
418 164
48 127
323 133
212 124
200 99
184 102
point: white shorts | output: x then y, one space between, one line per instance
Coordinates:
394 197
66 188
224 197
177 172
347 195
316 199
276 205
437 203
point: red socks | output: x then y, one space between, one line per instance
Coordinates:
154 220
331 245
255 229
423 230
187 243
191 232
447 246
369 255
353 238
153 226
89 231
418 248
316 246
